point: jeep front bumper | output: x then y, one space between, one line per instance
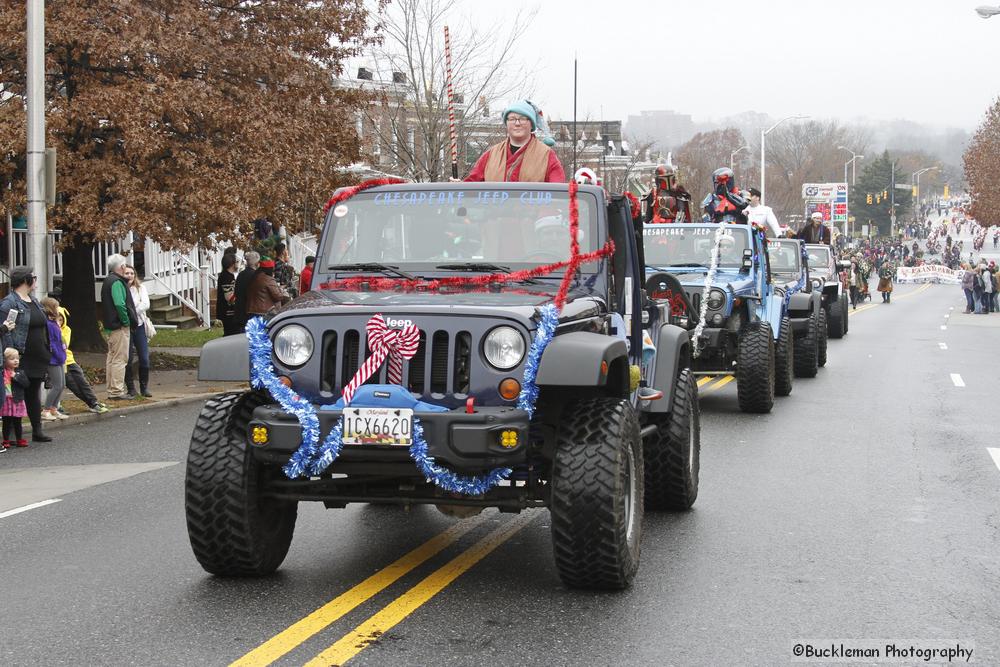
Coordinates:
458 440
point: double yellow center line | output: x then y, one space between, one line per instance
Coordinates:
370 630
719 383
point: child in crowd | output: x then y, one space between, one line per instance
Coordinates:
76 381
57 362
13 408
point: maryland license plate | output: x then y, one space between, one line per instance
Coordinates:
378 426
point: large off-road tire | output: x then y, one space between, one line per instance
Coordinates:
821 339
755 368
807 347
847 314
672 457
597 494
835 319
233 530
784 362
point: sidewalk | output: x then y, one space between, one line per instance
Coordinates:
169 387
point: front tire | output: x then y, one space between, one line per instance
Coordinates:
234 531
807 348
835 319
672 457
821 339
784 361
755 368
597 495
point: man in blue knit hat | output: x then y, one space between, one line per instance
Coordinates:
521 157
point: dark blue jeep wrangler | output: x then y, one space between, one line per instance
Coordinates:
595 428
790 272
737 320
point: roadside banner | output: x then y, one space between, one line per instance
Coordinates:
929 273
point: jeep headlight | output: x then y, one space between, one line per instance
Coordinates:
817 283
293 345
716 299
504 348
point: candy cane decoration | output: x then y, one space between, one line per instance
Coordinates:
397 344
451 105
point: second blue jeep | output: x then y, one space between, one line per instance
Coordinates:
737 320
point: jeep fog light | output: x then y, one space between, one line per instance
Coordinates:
259 435
717 319
293 345
504 348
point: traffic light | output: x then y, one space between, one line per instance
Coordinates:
878 199
885 194
869 199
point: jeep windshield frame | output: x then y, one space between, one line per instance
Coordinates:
420 228
689 246
784 257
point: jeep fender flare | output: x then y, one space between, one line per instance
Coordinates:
575 359
801 302
225 359
673 353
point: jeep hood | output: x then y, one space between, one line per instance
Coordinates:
696 279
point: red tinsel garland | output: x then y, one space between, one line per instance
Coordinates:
481 281
634 204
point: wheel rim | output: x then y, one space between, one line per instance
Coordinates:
631 493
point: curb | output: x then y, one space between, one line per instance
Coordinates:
75 420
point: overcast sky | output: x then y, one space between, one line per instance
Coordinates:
931 61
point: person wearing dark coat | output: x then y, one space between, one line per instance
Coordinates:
816 232
225 295
29 335
240 288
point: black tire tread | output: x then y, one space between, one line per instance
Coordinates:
587 504
807 349
835 319
755 368
821 339
670 483
230 534
784 359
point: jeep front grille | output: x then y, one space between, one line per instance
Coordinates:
441 367
694 296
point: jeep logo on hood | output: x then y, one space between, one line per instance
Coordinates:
397 324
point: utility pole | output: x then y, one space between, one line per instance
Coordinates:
37 227
892 202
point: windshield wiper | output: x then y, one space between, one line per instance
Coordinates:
480 267
474 266
372 266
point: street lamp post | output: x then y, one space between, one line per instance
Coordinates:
38 255
763 134
854 167
915 185
733 155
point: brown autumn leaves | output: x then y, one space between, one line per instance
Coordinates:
982 169
185 118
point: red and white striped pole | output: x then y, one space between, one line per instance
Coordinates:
451 105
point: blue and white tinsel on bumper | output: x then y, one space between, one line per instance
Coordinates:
312 458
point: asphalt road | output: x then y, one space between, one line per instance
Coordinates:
866 506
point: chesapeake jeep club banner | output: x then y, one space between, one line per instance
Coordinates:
929 273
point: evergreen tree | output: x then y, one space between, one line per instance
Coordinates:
876 180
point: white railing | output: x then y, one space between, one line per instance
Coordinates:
188 277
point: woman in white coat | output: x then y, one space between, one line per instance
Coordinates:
139 341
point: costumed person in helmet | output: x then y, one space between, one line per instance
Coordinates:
521 157
762 216
815 231
724 204
667 201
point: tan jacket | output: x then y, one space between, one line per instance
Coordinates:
263 294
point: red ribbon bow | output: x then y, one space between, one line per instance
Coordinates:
397 344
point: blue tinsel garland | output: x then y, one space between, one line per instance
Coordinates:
312 459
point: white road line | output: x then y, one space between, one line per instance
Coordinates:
947 315
952 308
943 346
995 453
944 328
18 510
957 380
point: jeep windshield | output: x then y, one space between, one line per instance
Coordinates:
680 246
819 259
784 257
448 231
